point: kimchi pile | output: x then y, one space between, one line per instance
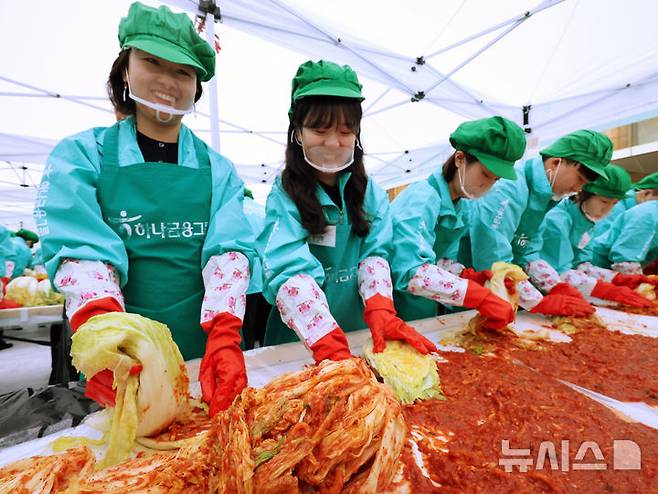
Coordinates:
331 428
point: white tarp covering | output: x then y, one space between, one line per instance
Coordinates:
572 64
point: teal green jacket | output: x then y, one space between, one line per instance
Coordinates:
255 214
633 237
287 249
565 234
505 223
69 219
22 256
427 227
6 250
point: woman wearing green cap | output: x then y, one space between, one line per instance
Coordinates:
28 236
642 191
505 223
620 254
566 231
327 228
143 217
430 218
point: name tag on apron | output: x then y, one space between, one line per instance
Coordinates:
326 239
584 240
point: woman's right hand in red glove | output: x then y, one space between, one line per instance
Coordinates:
497 312
564 300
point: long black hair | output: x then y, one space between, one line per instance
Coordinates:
299 179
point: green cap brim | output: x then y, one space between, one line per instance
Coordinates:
500 168
648 182
595 167
614 194
169 51
324 90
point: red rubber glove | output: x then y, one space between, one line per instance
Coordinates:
621 294
651 268
480 277
497 312
94 308
632 280
222 374
99 387
384 324
510 285
563 300
332 346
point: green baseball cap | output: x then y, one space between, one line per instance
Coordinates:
324 78
617 183
648 182
495 141
591 149
167 35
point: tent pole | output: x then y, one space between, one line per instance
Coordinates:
213 88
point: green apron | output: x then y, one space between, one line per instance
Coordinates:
340 263
161 212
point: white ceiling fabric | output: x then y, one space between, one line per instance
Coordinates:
570 64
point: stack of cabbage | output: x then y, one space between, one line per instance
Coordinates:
29 292
146 403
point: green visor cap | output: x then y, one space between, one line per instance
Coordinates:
591 149
164 34
496 142
27 235
648 182
617 183
324 78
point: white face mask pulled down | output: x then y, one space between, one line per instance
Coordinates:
553 176
328 161
462 178
158 107
587 215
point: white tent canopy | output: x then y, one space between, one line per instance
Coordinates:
552 66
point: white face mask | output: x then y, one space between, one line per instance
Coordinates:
587 215
591 218
552 175
462 177
327 161
551 180
559 197
158 107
